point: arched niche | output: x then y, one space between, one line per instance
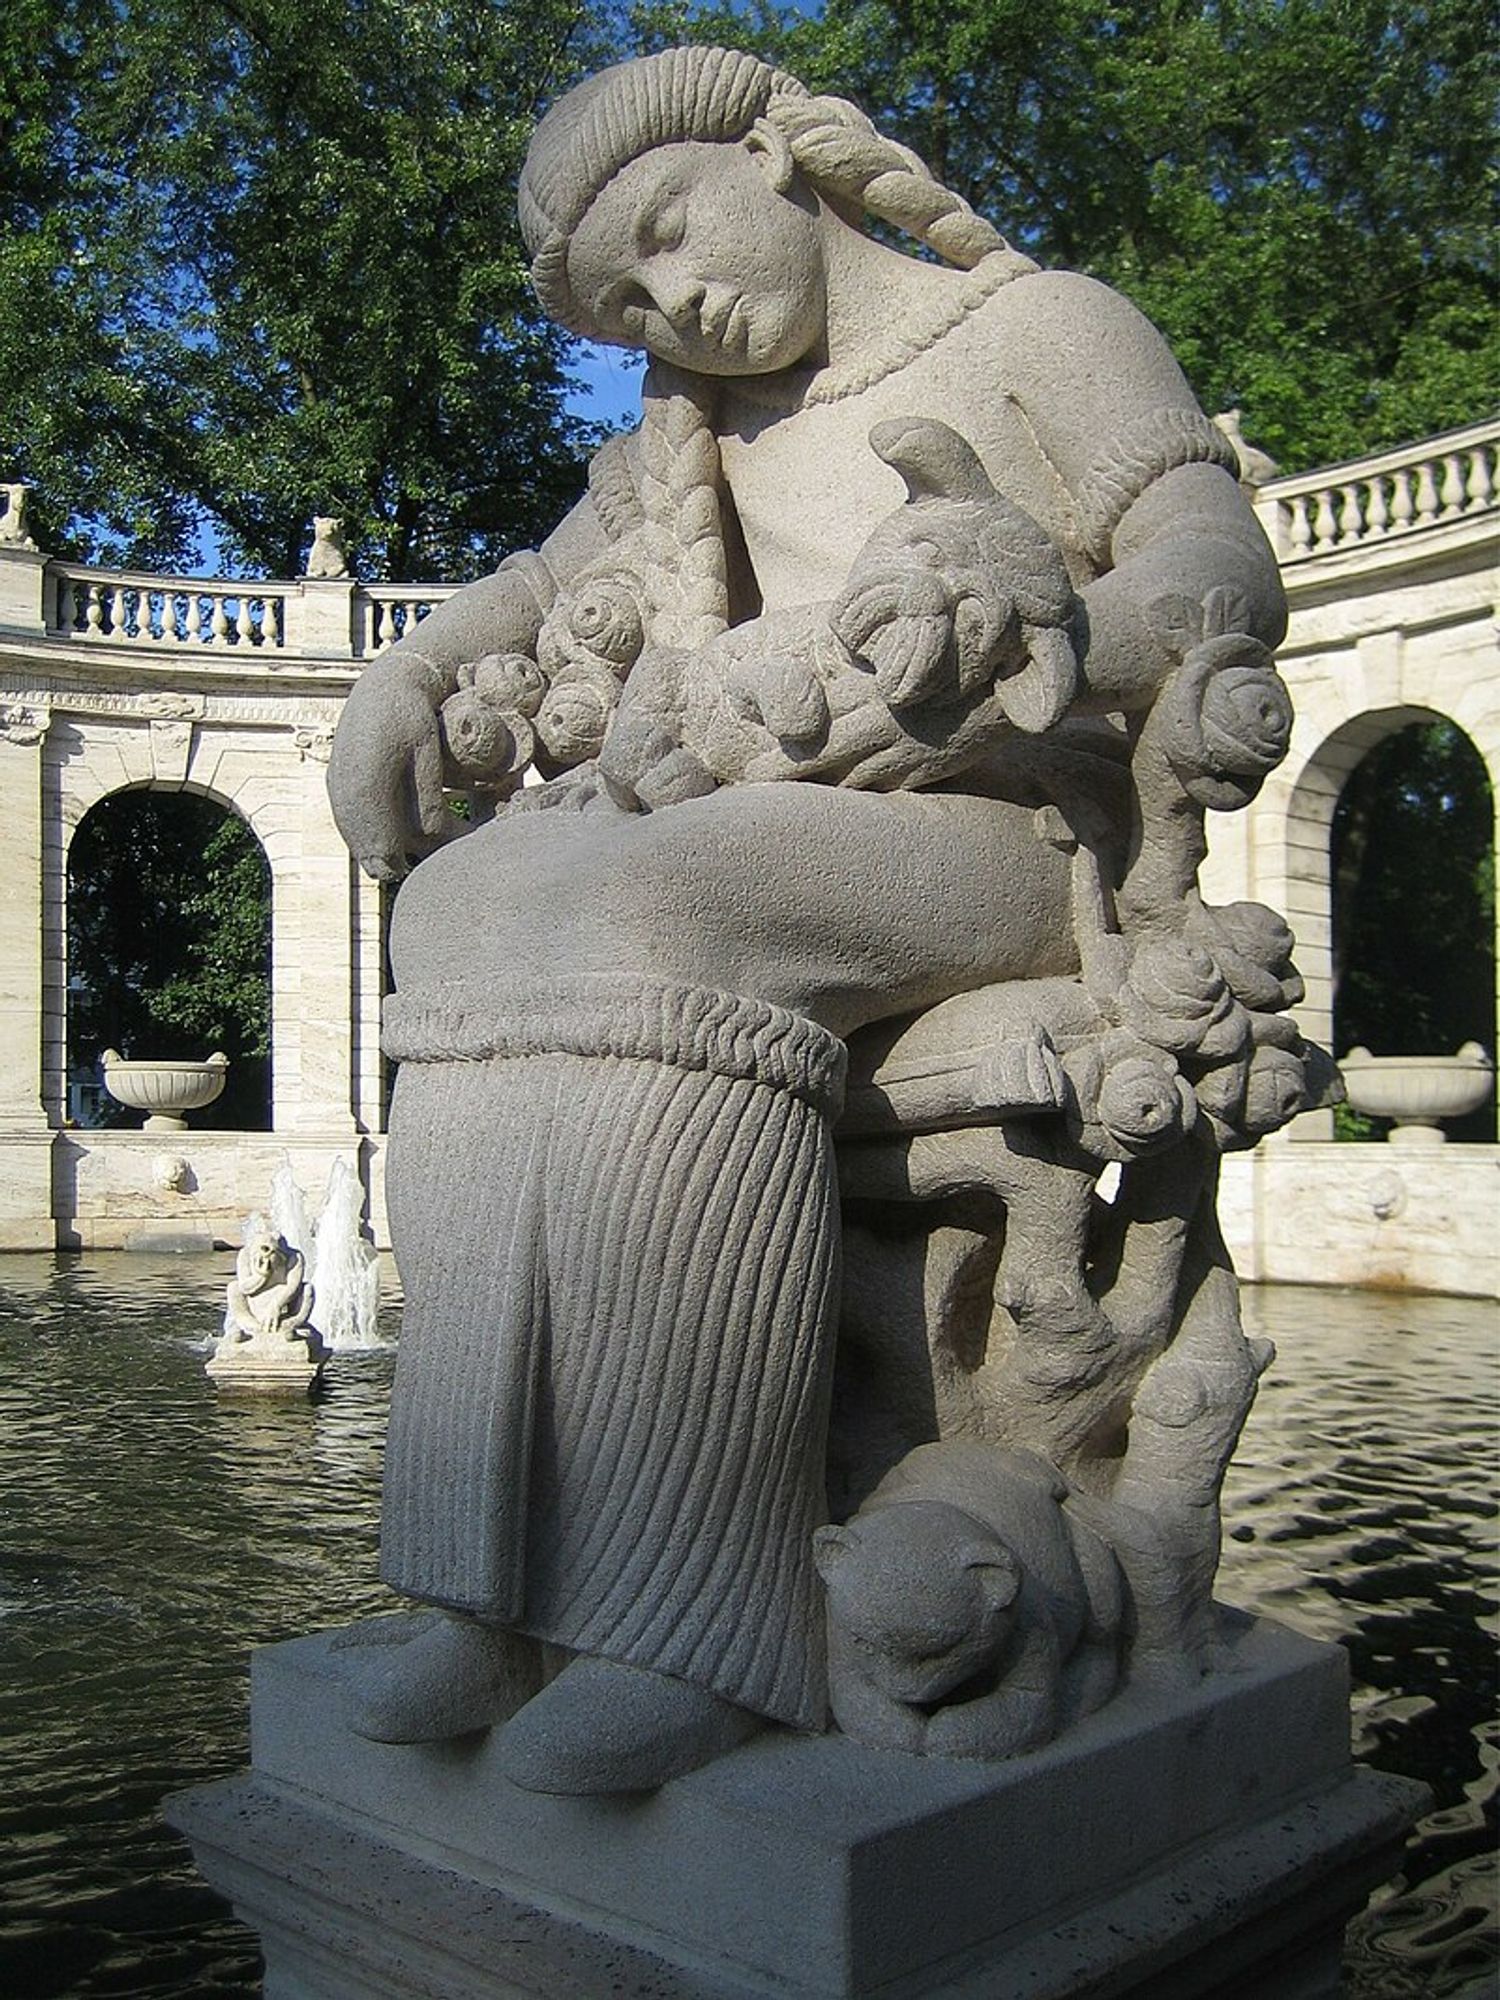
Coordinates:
168 946
1390 888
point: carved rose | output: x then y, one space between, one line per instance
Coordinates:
1224 720
597 628
1246 721
1253 946
507 681
1276 1091
476 736
606 619
1141 1105
574 716
1176 998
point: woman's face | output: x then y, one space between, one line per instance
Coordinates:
691 253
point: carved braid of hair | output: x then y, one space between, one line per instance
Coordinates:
840 152
681 543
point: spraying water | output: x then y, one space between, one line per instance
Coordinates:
289 1211
345 1275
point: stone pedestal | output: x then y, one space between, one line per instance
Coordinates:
1203 1841
251 1370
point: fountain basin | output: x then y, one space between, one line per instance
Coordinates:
1418 1091
164 1089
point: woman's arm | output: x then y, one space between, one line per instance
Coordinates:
1152 488
385 776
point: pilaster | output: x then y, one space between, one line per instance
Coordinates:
25 1140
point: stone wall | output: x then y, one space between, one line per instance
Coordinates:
110 680
1390 571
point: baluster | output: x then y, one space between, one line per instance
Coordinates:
1427 493
1453 484
219 627
1403 510
270 621
1376 514
385 627
93 620
1351 522
182 617
161 616
1325 526
1480 489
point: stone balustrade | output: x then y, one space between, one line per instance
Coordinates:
113 608
386 612
1372 500
271 621
1334 511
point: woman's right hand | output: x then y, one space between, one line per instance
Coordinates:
385 774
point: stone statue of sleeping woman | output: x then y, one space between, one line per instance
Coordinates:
621 1032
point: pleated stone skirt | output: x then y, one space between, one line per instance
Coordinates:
620 1263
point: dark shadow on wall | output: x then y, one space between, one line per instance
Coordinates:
1413 876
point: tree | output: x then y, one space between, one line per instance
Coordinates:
1298 192
259 259
169 942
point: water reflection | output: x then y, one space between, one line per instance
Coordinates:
151 1532
1361 1508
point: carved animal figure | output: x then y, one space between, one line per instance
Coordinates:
959 586
268 1299
970 1613
958 605
327 559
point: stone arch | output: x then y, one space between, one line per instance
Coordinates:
261 776
74 821
1312 788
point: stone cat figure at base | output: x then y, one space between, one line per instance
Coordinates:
970 1613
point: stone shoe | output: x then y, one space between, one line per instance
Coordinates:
602 1726
421 1677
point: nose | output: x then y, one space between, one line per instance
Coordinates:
678 291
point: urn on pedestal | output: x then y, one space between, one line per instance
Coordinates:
163 1088
1418 1092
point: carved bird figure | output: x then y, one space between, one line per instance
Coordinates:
959 589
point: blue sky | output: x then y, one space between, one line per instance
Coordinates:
609 384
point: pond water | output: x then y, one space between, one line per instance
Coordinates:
152 1531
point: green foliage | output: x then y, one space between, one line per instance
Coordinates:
169 942
1298 192
1351 1126
260 260
1413 866
223 922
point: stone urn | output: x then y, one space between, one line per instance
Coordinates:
1418 1091
163 1089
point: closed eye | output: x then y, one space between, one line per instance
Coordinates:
662 225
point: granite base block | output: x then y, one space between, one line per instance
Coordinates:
1209 1840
